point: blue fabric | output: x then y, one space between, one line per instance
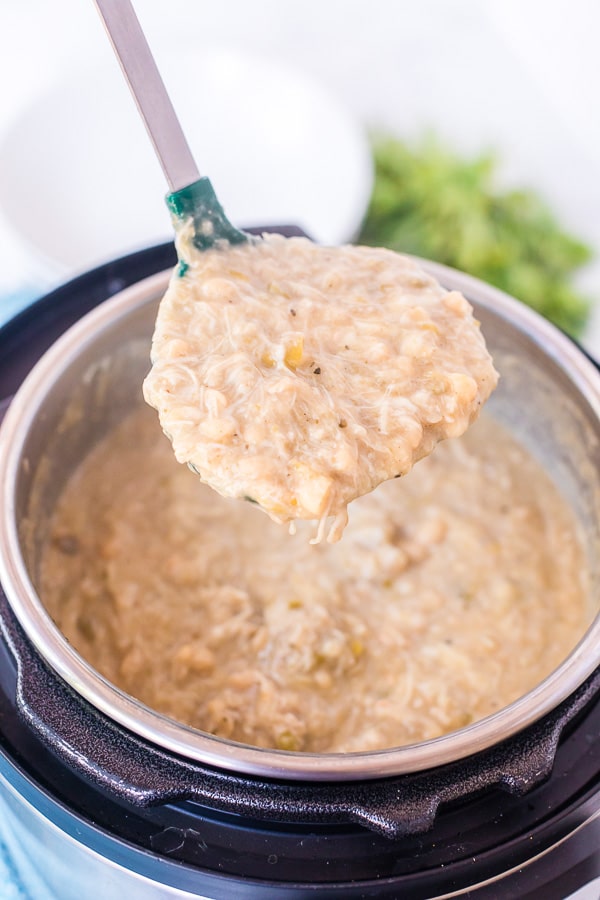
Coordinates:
10 888
11 304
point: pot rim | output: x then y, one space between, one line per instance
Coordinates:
209 749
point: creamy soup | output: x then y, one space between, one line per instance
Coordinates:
454 591
302 376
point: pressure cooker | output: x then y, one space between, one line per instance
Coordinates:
101 797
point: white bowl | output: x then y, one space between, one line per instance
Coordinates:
79 182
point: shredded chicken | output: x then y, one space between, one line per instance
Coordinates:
454 591
300 377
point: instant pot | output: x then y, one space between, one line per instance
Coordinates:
101 797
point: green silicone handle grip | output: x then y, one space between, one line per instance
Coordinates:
199 202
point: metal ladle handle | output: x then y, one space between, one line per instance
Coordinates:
191 199
149 92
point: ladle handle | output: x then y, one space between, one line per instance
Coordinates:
149 92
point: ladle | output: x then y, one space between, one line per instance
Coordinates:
191 196
300 440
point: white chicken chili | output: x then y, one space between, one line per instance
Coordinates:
454 591
301 376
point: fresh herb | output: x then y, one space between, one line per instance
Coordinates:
430 202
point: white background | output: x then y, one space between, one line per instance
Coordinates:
519 76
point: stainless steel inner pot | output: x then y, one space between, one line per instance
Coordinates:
549 395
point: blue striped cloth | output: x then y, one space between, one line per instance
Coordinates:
10 887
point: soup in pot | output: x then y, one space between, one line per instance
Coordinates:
455 590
